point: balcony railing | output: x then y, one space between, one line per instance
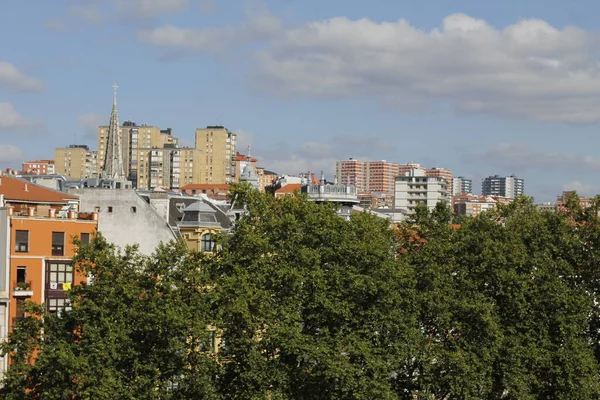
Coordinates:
22 289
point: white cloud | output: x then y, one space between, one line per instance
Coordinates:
10 154
519 157
90 123
259 26
151 8
583 189
12 119
11 77
529 69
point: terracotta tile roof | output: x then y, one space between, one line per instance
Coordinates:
243 157
21 190
289 188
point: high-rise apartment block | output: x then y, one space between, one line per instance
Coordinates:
133 139
167 167
505 186
76 162
440 173
416 187
218 147
368 176
461 185
39 167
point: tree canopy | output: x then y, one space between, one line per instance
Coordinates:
302 304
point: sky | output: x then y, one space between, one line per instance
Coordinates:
480 87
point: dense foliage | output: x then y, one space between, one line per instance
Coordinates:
305 305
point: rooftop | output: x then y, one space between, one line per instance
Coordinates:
24 191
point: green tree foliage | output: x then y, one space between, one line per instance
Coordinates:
136 332
310 306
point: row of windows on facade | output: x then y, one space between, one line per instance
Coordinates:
58 242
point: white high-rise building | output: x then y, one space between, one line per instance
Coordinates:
460 184
416 187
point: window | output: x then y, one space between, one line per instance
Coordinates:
85 238
58 305
20 309
58 243
109 209
208 242
59 273
21 274
22 241
133 209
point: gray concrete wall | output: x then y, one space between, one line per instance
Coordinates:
129 220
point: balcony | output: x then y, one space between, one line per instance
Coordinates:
22 289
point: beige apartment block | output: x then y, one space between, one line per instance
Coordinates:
218 147
76 162
134 137
168 167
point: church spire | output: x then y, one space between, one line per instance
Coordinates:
113 162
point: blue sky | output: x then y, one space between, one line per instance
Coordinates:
480 87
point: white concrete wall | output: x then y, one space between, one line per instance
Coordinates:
123 226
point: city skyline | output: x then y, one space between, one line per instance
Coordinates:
502 89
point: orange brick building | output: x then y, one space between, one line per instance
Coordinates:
40 259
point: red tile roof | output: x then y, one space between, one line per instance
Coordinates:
289 188
21 190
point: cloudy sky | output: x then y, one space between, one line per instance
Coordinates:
478 86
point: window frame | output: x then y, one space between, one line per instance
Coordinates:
87 235
208 243
20 246
58 248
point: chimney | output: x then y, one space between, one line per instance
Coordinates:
26 188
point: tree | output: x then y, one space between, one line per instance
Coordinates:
138 331
312 306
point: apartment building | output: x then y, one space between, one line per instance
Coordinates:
504 186
368 176
460 184
167 167
416 187
441 173
37 225
218 147
39 167
473 205
133 138
76 161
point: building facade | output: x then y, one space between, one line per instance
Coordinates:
461 184
368 176
218 147
504 186
76 162
136 138
167 167
416 187
39 167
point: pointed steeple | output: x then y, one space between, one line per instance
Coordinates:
113 163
